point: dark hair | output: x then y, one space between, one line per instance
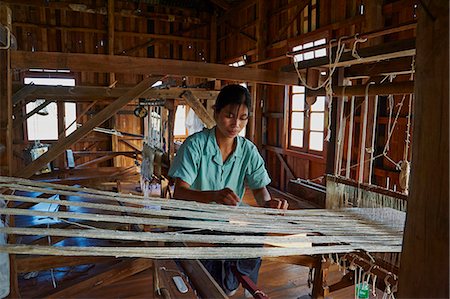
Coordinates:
233 94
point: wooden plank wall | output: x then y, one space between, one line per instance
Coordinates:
83 28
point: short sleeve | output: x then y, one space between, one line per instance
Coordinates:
256 176
186 162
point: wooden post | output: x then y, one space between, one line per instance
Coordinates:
258 97
424 271
213 39
170 105
6 111
350 138
112 78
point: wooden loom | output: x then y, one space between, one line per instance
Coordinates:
345 193
291 233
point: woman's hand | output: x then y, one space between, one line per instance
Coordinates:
225 196
275 203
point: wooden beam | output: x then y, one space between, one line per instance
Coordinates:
199 109
426 237
396 49
222 4
39 263
393 66
236 9
106 158
204 284
98 119
99 92
402 87
238 30
18 121
134 65
132 145
285 165
114 273
22 93
169 37
300 6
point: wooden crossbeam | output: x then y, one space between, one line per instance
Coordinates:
285 165
396 49
404 87
199 109
39 263
134 65
18 121
300 7
106 158
98 119
131 145
23 92
222 4
204 284
114 273
399 65
99 92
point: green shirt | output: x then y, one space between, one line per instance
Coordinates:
198 162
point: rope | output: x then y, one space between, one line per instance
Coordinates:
357 40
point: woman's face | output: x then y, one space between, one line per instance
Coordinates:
231 120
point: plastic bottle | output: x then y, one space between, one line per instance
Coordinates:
4 267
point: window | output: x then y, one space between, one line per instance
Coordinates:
307 123
43 125
180 121
237 63
297 116
310 54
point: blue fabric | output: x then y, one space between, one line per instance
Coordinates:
199 163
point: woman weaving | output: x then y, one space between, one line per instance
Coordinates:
214 165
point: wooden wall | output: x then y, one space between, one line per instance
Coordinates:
140 30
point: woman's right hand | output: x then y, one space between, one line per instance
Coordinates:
225 196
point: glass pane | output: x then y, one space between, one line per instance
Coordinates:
320 42
316 141
298 102
308 45
180 120
297 138
298 57
308 55
319 105
317 121
297 89
321 52
71 116
296 48
297 120
44 124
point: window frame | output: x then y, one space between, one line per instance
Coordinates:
40 73
305 148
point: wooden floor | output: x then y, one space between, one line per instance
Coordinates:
277 280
